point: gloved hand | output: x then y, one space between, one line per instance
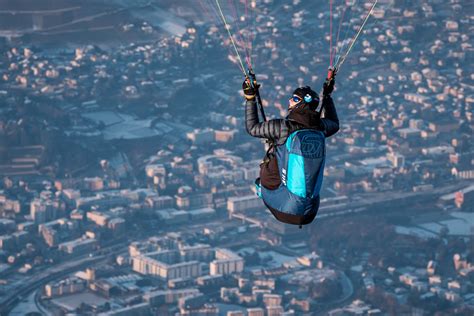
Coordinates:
249 91
328 86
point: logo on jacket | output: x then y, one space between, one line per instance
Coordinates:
312 146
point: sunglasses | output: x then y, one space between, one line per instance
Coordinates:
296 98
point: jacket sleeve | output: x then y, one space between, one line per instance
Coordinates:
330 121
273 129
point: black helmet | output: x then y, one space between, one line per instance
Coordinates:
309 96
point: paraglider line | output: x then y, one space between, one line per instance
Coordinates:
330 34
240 36
249 36
339 29
343 42
231 38
343 58
214 15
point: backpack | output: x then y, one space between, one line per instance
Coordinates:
301 162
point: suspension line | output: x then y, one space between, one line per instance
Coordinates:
343 58
227 26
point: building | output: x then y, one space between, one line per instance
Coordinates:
173 216
101 201
199 252
157 172
243 203
166 265
274 311
142 309
226 262
201 136
444 126
210 280
94 184
225 135
397 160
311 260
81 245
117 224
7 242
409 133
160 297
7 224
202 213
44 210
55 231
160 202
272 300
255 312
65 287
98 218
195 200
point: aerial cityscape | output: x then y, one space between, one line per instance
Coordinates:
127 174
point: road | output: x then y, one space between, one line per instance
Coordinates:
23 287
44 277
373 200
368 201
30 305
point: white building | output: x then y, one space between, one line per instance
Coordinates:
226 262
165 265
243 203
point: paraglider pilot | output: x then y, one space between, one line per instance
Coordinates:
292 171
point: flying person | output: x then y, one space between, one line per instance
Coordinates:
292 171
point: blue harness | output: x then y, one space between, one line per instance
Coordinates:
301 162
